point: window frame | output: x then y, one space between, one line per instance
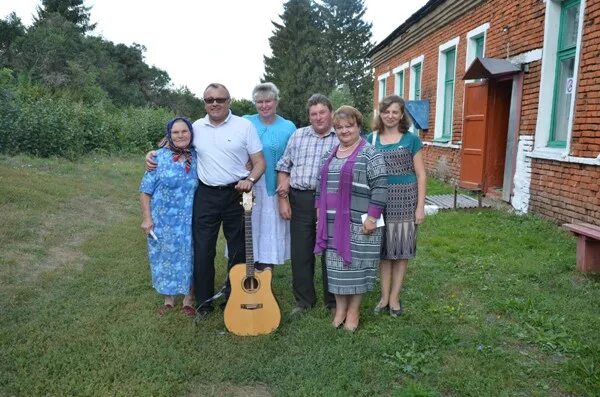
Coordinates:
399 79
440 135
552 16
561 55
382 85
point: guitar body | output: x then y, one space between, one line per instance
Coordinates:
251 309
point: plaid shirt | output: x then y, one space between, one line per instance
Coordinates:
302 157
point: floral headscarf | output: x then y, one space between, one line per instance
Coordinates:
178 153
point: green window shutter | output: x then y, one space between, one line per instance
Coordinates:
448 93
417 85
400 83
565 70
479 46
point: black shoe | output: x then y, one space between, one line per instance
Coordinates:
299 310
201 315
396 313
378 309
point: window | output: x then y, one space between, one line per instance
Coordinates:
382 85
479 46
565 68
476 43
414 92
399 83
416 77
399 79
563 24
450 56
444 105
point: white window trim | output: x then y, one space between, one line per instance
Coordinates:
439 99
382 82
471 36
547 80
396 71
411 85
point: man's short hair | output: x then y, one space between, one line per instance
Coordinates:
217 85
318 99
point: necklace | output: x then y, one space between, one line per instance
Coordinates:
347 148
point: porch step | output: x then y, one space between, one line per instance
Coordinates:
446 201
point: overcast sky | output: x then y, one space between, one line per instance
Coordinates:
199 42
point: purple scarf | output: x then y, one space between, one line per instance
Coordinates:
341 224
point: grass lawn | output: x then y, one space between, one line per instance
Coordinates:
493 307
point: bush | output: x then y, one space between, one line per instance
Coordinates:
35 121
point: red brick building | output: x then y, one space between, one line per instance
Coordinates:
514 95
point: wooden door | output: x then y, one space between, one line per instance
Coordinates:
472 157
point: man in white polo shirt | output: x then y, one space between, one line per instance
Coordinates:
224 144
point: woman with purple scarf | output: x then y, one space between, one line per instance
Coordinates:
351 195
166 197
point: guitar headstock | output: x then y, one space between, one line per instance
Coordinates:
247 201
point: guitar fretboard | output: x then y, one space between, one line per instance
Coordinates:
249 247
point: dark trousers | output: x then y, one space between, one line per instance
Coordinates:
303 234
213 206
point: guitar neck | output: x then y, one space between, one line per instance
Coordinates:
249 247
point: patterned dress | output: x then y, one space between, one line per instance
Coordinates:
400 236
368 188
172 191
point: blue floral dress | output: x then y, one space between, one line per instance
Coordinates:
172 191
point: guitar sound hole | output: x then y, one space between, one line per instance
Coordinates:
250 284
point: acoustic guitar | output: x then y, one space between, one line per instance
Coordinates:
251 309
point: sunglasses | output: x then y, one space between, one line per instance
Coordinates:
208 101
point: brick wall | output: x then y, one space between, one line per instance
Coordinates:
565 192
525 22
585 140
559 190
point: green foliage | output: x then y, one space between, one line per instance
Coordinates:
72 10
10 29
341 96
297 64
241 107
56 53
347 40
36 121
320 47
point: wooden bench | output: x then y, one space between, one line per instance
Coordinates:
588 246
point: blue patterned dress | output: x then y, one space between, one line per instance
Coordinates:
172 191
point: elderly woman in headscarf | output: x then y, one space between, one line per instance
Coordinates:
166 197
351 195
271 233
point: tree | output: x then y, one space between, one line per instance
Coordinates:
240 107
347 41
10 29
341 96
297 64
72 10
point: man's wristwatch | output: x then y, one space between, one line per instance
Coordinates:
253 180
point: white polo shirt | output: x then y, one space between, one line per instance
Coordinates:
224 150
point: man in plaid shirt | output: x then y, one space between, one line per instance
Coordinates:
298 170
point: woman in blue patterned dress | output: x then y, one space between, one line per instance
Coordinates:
351 194
270 232
166 197
406 198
